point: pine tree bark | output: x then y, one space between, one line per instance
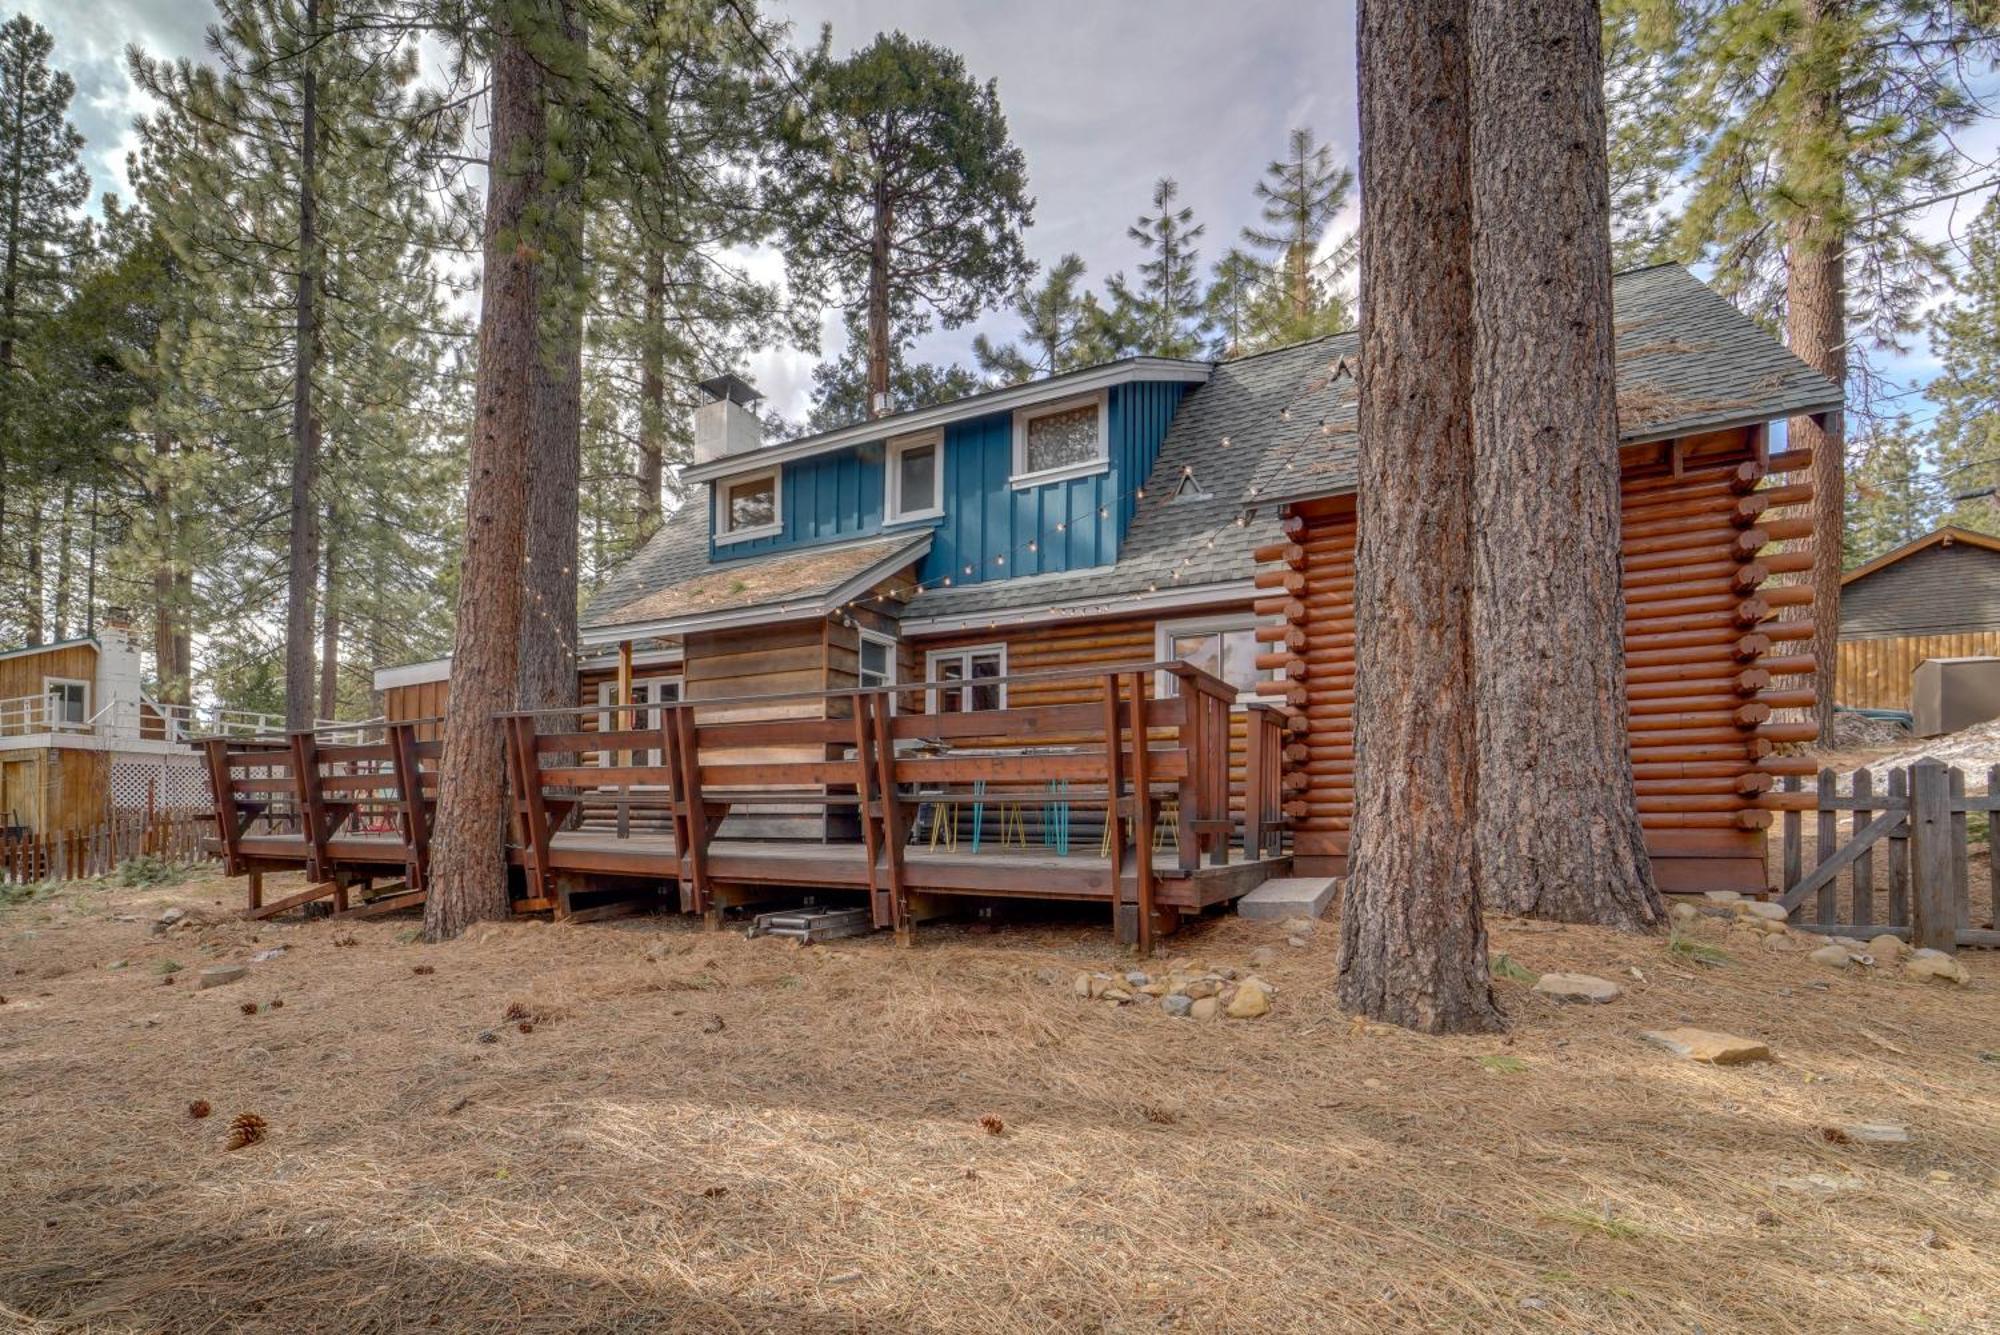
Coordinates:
330 626
1816 330
37 608
303 576
1558 819
64 529
878 304
652 393
1412 944
468 866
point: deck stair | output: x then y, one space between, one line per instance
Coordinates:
1289 897
811 924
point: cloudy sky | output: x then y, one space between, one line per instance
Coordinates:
1104 97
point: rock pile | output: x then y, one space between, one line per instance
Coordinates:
1183 989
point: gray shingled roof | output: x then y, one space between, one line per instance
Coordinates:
1282 425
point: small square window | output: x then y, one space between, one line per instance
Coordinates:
1224 647
748 507
968 680
878 660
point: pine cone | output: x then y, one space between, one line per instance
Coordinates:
247 1129
198 1109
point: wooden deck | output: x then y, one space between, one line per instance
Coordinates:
1017 802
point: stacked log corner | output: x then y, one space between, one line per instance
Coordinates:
1717 628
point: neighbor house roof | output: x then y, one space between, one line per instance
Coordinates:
1259 431
1944 537
22 651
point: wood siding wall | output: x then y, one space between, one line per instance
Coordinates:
22 675
1713 648
55 790
1875 673
1949 588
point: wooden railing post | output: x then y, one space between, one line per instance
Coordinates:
409 773
1934 915
222 798
1114 782
881 905
1253 785
305 791
1142 811
892 827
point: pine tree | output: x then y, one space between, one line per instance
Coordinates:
1061 325
42 186
1548 608
1893 493
1165 307
1412 942
1965 335
902 193
842 394
1814 132
1241 290
1302 194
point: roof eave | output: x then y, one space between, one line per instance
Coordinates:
752 614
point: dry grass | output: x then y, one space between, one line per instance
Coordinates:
744 1135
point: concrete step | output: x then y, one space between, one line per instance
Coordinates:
1288 897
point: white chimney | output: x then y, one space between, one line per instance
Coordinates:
118 685
725 423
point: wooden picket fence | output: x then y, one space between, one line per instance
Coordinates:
173 836
1904 863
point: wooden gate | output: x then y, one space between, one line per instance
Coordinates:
1911 825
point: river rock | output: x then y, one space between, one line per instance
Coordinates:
1761 908
1833 957
1935 967
1578 987
1249 1002
1886 947
1703 1045
1207 1008
215 975
1175 1004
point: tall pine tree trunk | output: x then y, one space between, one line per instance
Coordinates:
1412 944
160 495
468 864
1558 821
547 670
64 563
878 306
652 392
303 576
329 625
37 608
1816 330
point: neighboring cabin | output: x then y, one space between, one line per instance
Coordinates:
81 742
1936 597
1116 515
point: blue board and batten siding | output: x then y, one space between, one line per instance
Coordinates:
989 530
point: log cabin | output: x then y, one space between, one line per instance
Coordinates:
1187 526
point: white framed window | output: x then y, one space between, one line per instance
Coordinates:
69 701
965 681
877 660
1222 646
749 506
649 691
1065 439
915 477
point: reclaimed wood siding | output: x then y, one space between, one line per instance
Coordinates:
23 674
1711 654
1875 673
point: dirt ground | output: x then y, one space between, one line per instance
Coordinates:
702 1132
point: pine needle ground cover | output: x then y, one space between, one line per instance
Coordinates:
641 1126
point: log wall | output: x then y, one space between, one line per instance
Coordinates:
1715 638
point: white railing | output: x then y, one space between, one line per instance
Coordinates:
143 720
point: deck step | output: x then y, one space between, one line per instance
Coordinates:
1288 897
811 924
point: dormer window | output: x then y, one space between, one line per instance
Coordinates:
1056 441
916 478
748 507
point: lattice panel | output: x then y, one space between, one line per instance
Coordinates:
182 785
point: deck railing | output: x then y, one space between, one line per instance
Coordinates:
128 719
1157 766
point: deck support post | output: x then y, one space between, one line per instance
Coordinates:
892 826
526 773
410 790
692 826
1114 802
312 814
881 912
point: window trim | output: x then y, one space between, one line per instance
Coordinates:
1021 478
933 689
889 642
892 477
48 715
608 722
719 522
1164 633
